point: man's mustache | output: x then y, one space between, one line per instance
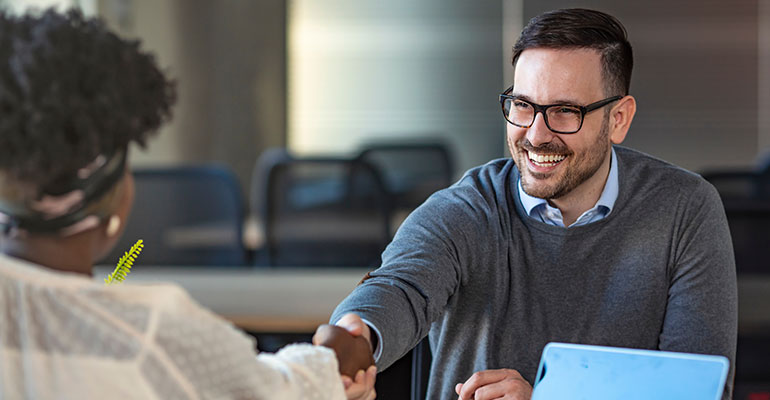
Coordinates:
545 149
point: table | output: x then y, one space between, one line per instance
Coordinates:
297 300
258 299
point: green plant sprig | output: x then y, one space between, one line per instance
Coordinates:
124 264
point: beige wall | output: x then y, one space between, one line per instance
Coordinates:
696 77
154 25
360 71
401 69
228 58
763 76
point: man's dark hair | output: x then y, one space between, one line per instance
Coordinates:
71 90
582 28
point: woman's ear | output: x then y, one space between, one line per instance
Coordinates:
113 225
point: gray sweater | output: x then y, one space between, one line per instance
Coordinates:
492 286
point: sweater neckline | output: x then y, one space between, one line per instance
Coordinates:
564 231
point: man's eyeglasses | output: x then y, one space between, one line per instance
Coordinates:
559 118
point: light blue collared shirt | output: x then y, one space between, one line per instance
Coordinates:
540 210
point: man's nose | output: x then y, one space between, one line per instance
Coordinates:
538 133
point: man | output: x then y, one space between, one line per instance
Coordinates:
575 239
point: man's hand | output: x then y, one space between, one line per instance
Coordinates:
353 352
362 388
495 384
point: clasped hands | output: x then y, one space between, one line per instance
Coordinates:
351 342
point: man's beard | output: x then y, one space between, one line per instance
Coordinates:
573 176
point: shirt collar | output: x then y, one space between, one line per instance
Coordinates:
607 198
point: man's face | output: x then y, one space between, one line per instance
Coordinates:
552 165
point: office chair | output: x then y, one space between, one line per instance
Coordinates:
187 216
746 199
321 211
735 184
411 171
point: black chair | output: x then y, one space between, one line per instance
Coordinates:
749 221
737 185
411 171
752 368
407 377
187 216
421 361
320 211
746 199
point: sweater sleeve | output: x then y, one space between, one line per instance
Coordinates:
421 270
702 311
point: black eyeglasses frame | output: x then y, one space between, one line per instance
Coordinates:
543 108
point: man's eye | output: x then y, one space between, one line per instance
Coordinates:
521 105
567 110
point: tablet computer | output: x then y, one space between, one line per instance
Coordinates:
576 371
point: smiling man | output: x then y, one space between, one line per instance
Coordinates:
574 239
568 170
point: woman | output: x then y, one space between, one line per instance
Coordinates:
73 96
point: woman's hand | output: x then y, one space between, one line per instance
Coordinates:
362 388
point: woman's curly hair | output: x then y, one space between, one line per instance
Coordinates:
70 90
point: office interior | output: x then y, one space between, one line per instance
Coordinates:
327 78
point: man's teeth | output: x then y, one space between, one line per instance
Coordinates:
543 159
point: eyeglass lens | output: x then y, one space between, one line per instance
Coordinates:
560 118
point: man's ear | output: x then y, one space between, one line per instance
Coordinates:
621 116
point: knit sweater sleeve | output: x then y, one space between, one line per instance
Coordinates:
702 311
422 268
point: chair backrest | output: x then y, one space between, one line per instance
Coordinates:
322 212
746 198
421 361
186 216
740 184
749 221
411 171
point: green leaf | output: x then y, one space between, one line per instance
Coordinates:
124 264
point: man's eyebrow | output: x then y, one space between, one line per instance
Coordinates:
571 102
521 97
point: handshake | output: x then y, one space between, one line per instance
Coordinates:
351 342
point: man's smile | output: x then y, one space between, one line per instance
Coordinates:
544 162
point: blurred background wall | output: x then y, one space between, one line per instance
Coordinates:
696 77
323 76
364 71
229 60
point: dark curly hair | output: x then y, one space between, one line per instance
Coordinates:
583 28
71 90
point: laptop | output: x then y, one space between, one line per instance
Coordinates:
576 371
